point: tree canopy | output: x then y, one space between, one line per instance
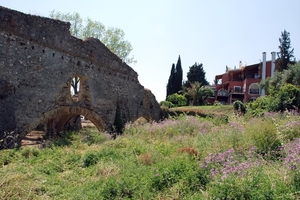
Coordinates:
113 38
285 55
197 74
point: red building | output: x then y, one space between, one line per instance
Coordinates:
242 83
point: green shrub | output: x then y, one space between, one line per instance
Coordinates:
180 170
90 159
220 119
239 107
264 136
28 152
92 137
177 100
296 180
255 185
287 98
259 106
123 188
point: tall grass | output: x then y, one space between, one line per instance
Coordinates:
187 157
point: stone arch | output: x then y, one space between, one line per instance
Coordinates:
62 115
254 89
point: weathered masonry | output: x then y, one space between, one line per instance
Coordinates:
38 61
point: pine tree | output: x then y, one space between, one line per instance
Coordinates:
285 56
197 74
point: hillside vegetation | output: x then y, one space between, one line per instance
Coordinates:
184 157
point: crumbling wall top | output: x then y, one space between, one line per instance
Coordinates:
56 34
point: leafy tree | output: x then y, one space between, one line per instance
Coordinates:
113 38
175 80
287 98
285 56
291 75
197 74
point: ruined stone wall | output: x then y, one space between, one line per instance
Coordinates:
38 59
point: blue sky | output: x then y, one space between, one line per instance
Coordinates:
215 33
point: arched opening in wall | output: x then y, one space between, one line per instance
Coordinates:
60 121
254 89
75 88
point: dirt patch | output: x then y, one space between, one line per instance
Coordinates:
34 138
37 138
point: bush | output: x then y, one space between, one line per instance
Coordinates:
90 159
177 100
259 106
255 185
287 98
239 107
264 136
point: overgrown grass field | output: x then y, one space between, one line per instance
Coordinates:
187 157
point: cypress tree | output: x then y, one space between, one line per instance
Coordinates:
178 79
175 80
170 85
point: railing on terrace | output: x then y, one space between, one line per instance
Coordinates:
254 91
222 93
237 90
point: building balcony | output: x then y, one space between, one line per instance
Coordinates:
253 91
237 91
222 93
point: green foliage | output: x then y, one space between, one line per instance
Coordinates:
29 152
92 137
197 74
257 185
288 76
177 100
296 180
167 104
196 93
239 107
185 157
178 76
113 38
285 56
259 106
90 159
287 98
181 170
264 137
175 79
